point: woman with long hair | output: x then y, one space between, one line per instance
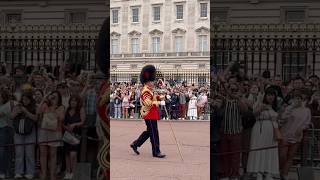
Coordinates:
132 101
24 122
73 121
265 162
125 104
50 133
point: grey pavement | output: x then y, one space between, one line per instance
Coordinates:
186 144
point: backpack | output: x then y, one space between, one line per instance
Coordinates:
23 125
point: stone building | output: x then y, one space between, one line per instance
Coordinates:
173 35
34 32
281 36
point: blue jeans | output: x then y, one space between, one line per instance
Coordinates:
4 151
117 111
111 109
25 152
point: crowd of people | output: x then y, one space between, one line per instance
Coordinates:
44 117
177 101
259 122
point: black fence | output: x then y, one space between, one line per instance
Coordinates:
50 51
286 56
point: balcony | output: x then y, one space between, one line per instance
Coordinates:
163 55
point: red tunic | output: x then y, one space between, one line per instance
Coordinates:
149 102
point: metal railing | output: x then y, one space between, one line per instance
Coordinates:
191 76
281 55
51 45
165 54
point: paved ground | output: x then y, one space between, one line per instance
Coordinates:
187 160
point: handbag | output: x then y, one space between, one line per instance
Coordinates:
50 121
70 138
277 135
248 119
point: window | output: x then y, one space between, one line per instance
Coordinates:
177 66
115 16
135 46
13 18
179 11
202 66
295 16
178 44
156 44
220 16
77 17
115 46
156 13
203 43
203 9
294 63
135 14
222 60
134 66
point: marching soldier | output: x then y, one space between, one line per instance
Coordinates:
149 112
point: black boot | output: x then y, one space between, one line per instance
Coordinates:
134 148
159 155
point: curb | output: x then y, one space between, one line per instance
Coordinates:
113 119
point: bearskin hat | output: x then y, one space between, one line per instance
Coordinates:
147 74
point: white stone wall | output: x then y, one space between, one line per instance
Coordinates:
36 12
167 24
265 12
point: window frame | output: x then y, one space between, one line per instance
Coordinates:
118 45
158 46
136 45
133 16
217 11
200 9
5 14
118 15
286 9
153 13
200 41
69 12
176 12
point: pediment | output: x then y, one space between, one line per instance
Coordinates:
134 33
156 32
203 29
178 31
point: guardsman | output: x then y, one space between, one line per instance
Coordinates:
149 112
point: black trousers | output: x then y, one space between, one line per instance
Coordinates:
153 134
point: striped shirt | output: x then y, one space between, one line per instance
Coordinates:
232 118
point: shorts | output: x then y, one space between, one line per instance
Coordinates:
47 135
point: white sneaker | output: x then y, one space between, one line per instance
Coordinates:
29 176
2 176
67 176
183 119
131 117
179 118
18 176
163 118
